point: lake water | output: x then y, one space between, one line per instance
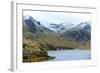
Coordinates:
70 54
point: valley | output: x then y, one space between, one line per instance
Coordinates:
38 39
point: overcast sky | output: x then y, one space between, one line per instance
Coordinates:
58 17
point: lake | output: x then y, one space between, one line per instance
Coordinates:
70 54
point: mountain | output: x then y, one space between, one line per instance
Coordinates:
33 29
33 25
85 25
81 32
61 27
67 30
30 23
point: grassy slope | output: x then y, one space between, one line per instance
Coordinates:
54 41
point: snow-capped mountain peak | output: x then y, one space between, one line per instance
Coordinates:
61 27
82 25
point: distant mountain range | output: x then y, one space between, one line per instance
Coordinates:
61 27
81 32
67 30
